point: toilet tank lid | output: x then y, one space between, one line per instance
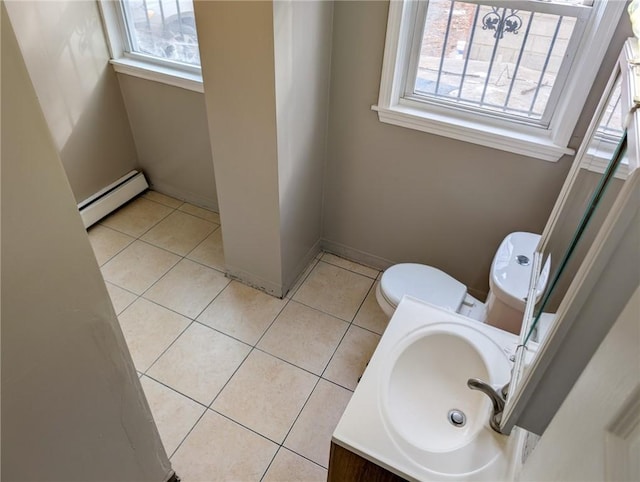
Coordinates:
423 282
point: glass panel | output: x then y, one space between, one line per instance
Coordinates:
165 29
494 58
600 176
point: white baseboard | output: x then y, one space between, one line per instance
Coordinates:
186 196
112 197
356 255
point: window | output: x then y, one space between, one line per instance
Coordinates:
512 75
154 39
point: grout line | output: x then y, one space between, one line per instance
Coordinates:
304 457
142 195
166 308
174 390
347 269
117 252
338 385
169 346
310 267
321 260
270 463
223 333
122 288
371 290
244 426
198 245
162 276
229 379
345 335
320 311
200 218
262 350
306 402
204 412
366 329
160 247
282 447
214 298
272 322
131 202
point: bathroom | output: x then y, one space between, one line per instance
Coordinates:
373 171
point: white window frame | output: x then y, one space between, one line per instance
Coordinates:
548 143
138 65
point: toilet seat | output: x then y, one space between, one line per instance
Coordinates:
423 282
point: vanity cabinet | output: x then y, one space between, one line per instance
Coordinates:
345 466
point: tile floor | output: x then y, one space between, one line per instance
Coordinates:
242 386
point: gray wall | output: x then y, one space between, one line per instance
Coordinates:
265 68
397 195
65 51
302 64
169 125
237 55
72 405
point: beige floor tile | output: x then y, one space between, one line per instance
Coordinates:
199 363
119 297
350 265
302 278
173 413
188 288
179 232
311 434
138 266
290 467
242 312
162 199
149 329
201 212
370 315
220 450
266 395
351 357
303 336
210 251
137 217
106 242
334 290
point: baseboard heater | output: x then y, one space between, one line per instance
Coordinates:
112 197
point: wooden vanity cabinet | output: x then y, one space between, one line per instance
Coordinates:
345 466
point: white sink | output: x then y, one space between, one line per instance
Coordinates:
425 379
398 416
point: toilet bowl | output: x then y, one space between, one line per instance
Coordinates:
509 283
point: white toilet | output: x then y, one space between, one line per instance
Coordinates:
508 283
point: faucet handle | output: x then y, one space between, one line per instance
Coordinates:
497 398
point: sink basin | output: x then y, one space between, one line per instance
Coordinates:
398 416
426 379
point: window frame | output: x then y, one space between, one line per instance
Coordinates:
491 130
147 67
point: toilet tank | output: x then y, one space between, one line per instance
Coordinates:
509 280
511 268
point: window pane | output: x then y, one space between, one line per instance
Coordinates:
163 28
494 58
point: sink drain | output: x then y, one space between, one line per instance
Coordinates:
457 418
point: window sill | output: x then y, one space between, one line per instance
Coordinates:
156 73
536 146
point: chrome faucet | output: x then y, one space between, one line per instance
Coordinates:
498 399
